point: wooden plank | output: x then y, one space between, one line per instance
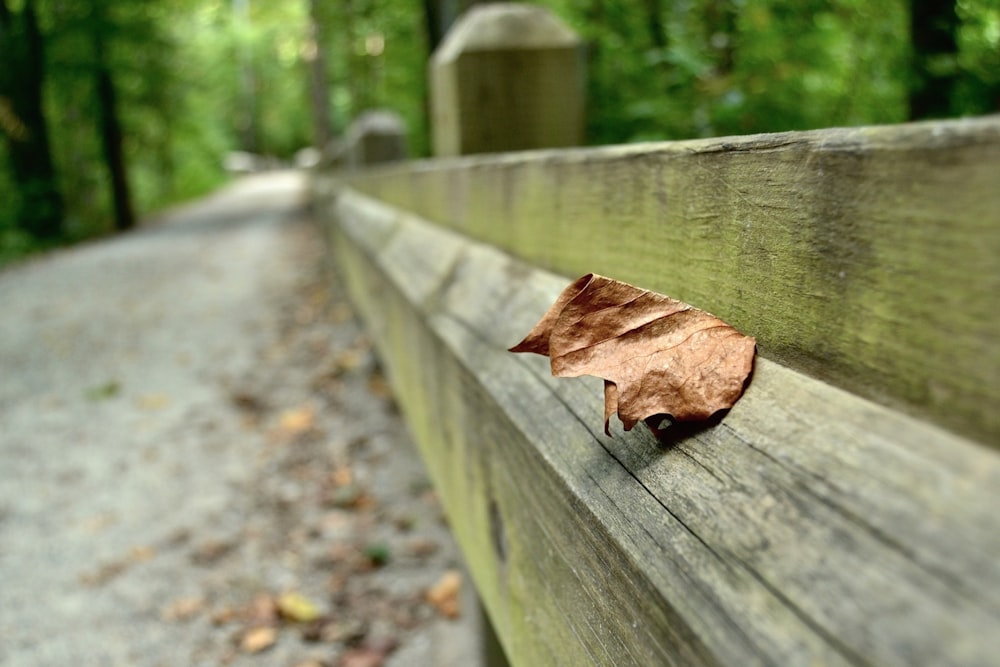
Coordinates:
865 257
810 527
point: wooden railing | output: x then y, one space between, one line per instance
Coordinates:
845 511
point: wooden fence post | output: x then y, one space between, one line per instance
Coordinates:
507 77
375 136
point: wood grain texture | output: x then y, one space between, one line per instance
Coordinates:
810 527
865 257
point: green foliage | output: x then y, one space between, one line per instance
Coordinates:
377 55
978 57
731 67
195 79
15 243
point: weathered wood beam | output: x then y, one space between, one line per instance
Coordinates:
866 257
810 527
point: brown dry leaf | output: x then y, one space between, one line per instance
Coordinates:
310 662
656 355
153 401
248 402
183 609
444 594
362 657
141 554
347 361
96 524
224 615
379 386
104 573
372 653
422 547
341 312
212 551
257 639
262 610
298 421
349 631
342 476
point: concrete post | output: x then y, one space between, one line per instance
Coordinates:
374 137
507 77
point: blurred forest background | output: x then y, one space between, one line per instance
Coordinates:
111 110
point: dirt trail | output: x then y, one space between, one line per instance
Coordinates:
192 425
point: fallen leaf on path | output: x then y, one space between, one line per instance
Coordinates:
346 630
224 615
104 391
293 423
341 312
153 401
310 662
248 402
422 547
348 360
352 496
362 657
183 609
262 610
444 594
342 476
104 573
108 571
258 639
297 607
96 524
379 386
372 654
211 551
378 554
656 355
141 554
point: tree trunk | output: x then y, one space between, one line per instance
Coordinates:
439 15
720 20
356 80
319 90
112 138
248 120
22 121
654 23
933 25
432 24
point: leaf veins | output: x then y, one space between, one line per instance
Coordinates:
656 355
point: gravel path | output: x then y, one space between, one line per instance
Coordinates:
200 463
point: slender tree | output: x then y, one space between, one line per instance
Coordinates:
439 15
112 136
249 121
434 23
319 89
22 122
654 23
933 28
720 24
